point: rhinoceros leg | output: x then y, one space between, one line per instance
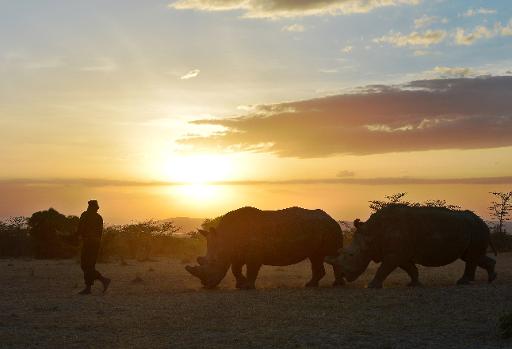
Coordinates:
488 264
236 269
252 273
469 273
338 275
389 263
317 270
412 271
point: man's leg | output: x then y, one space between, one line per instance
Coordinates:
95 275
88 262
85 264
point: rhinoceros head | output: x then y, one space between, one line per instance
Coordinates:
354 259
213 267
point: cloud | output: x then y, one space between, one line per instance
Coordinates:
433 114
479 11
191 74
420 53
463 38
288 8
504 30
345 173
347 49
294 28
102 65
16 59
452 72
425 21
328 71
427 38
482 32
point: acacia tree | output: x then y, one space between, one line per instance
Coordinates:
440 203
500 209
396 198
145 234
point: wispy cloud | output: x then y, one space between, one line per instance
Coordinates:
347 49
425 21
463 37
294 28
191 74
452 72
103 64
467 38
420 53
24 61
479 11
49 63
289 8
459 113
345 173
329 71
427 38
504 30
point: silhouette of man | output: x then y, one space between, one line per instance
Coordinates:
90 229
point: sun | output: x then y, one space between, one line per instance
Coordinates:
199 169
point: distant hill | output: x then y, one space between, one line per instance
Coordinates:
186 223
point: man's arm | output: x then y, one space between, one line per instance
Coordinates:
81 226
100 226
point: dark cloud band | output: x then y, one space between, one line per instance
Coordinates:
462 113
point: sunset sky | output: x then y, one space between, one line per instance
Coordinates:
169 108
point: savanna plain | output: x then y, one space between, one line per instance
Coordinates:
157 304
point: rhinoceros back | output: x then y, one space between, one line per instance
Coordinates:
279 237
432 236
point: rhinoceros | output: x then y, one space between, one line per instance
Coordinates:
252 237
401 236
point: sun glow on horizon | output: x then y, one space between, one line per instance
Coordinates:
197 172
198 169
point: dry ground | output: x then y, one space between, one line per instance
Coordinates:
39 308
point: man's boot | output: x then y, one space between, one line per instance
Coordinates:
106 282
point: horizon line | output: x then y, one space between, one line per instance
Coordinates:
101 182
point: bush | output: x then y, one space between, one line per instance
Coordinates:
148 239
53 234
14 238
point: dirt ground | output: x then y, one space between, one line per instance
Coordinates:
39 308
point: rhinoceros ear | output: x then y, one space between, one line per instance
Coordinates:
203 232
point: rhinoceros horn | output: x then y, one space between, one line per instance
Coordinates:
193 270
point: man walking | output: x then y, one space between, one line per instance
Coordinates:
90 229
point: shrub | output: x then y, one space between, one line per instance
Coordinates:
148 239
53 234
14 238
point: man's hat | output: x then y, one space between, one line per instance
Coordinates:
93 203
